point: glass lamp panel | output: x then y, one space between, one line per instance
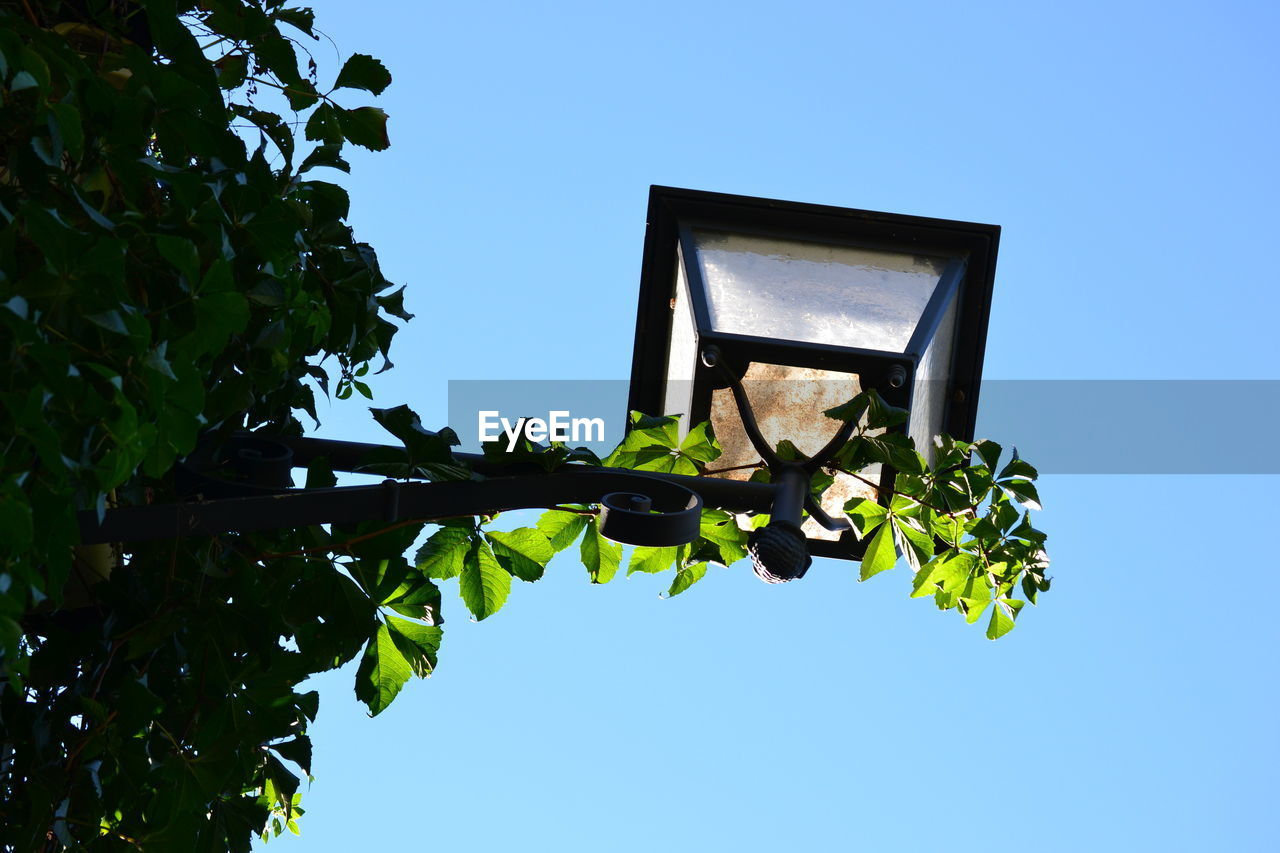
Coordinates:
682 357
814 292
932 383
788 403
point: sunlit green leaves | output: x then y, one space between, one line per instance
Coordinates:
866 515
654 444
562 528
398 649
686 577
417 643
652 560
880 555
483 583
600 556
524 552
726 541
444 553
990 549
383 671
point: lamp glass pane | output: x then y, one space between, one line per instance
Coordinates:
932 383
682 357
788 403
814 292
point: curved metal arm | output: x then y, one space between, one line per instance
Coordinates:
831 448
712 358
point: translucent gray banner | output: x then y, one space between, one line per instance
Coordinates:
1085 426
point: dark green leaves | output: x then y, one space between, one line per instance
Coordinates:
366 127
363 72
427 452
162 280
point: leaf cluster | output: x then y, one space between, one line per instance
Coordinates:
172 265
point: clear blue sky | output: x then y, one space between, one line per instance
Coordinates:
1128 150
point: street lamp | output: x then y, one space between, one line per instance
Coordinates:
761 312
756 315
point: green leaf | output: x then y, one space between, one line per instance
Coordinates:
601 556
990 453
850 411
362 71
721 530
442 556
68 119
417 598
687 577
423 446
418 643
866 515
914 543
366 127
700 444
880 555
329 154
947 572
383 671
297 750
1001 622
524 552
232 70
1023 491
381 578
973 608
303 18
561 528
218 317
484 584
652 560
880 415
1018 469
649 444
325 125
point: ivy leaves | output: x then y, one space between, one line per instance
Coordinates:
398 649
654 444
960 529
165 270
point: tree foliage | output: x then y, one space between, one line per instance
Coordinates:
171 267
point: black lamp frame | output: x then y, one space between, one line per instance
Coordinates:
673 215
